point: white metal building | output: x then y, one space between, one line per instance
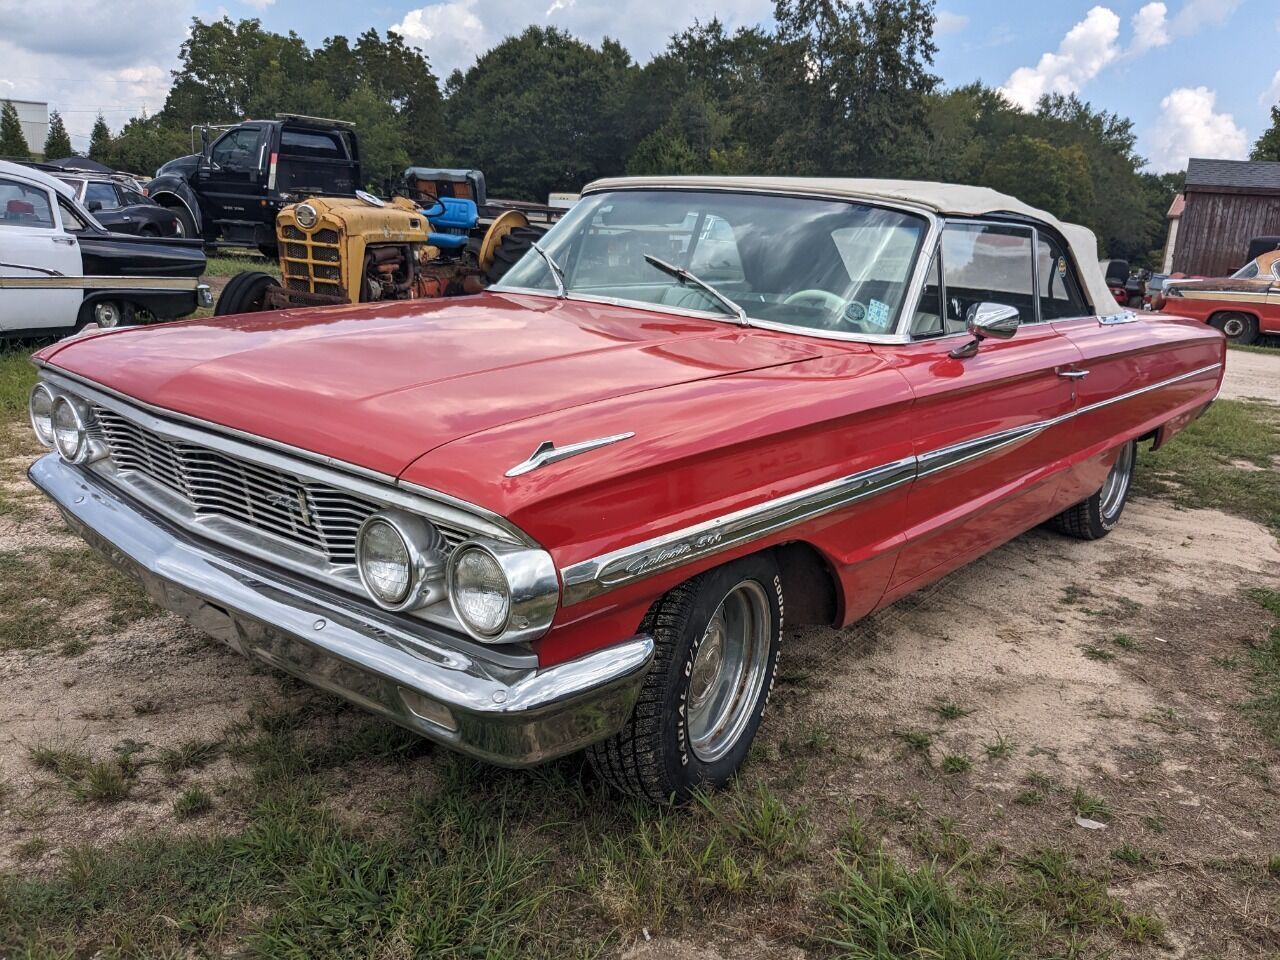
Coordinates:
35 122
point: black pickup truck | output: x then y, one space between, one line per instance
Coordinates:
229 193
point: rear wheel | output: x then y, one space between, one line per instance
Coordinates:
107 314
512 248
1097 516
245 293
716 639
1236 327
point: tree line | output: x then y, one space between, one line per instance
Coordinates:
832 88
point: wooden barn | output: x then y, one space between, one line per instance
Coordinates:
1227 204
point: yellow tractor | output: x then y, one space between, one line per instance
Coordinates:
363 249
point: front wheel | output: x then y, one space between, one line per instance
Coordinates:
1097 516
716 638
245 293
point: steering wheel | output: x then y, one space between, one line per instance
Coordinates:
846 312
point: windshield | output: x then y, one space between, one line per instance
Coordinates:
815 264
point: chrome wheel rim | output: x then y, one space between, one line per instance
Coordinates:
1233 327
728 671
1117 483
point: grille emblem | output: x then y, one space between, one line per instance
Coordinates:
286 502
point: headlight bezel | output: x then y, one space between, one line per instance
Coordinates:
424 546
533 590
41 388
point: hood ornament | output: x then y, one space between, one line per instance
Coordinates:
548 452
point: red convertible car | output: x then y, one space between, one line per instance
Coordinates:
576 510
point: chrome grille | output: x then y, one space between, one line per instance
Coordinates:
312 515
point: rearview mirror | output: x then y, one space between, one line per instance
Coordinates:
995 320
94 206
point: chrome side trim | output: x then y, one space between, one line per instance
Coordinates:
303 462
547 452
98 283
590 578
601 574
26 266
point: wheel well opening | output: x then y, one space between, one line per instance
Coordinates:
1232 313
810 589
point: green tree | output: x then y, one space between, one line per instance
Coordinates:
58 143
1268 145
13 145
540 112
1056 179
99 140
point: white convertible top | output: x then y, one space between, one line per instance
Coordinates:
940 198
10 169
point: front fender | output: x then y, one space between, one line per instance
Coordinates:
172 190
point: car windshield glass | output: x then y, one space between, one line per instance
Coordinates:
815 264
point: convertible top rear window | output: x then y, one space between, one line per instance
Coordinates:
822 265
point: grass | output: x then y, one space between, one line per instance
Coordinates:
956 763
192 802
950 711
918 741
17 377
228 263
1094 652
1264 663
999 748
1196 468
1124 641
1270 351
89 780
1092 807
189 754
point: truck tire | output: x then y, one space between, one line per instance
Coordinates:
245 293
1096 516
716 641
1239 328
185 223
510 250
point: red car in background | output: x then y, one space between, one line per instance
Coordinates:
1244 306
576 510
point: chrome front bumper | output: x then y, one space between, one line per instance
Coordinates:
501 708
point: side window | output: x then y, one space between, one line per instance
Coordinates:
927 321
986 263
237 150
72 222
103 193
22 205
1060 296
1248 272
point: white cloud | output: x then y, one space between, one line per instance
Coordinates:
258 5
1271 96
1150 28
453 32
1086 49
81 57
1190 126
948 22
1202 13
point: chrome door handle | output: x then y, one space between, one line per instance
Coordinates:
69 241
1073 374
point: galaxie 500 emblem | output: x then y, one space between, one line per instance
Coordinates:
668 554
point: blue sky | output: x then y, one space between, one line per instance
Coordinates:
1196 76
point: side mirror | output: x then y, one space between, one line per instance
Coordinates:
94 206
995 320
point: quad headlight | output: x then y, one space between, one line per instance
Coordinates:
40 407
400 560
502 592
70 429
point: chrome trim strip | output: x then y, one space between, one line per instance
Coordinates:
266 451
547 452
590 578
25 266
601 574
98 283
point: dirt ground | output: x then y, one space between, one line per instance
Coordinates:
1109 666
1252 375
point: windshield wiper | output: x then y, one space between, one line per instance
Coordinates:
556 271
684 276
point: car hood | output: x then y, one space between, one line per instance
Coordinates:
380 386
